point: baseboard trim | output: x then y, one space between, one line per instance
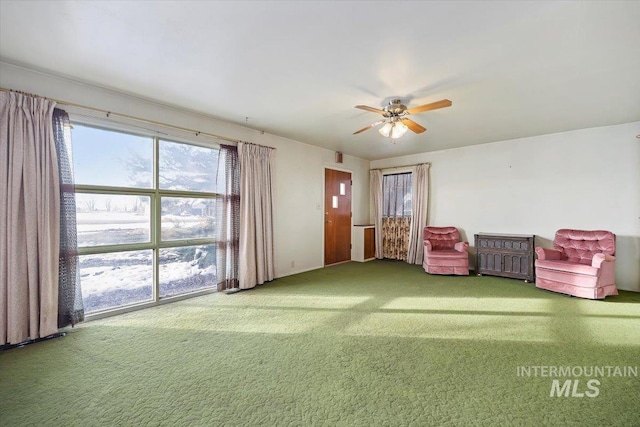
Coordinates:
27 342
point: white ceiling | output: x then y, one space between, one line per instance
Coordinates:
297 69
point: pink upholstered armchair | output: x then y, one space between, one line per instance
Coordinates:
444 252
581 264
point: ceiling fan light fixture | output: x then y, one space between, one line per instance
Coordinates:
394 117
386 129
393 130
398 130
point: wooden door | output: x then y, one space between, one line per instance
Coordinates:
337 216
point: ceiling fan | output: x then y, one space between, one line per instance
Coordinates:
395 120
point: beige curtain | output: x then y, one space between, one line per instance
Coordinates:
257 173
419 206
375 184
29 219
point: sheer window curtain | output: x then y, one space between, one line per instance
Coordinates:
228 218
70 307
30 223
419 207
257 257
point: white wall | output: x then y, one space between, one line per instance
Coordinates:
585 179
300 195
299 167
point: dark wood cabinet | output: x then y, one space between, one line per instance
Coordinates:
505 255
369 243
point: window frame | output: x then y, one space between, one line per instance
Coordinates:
385 175
155 243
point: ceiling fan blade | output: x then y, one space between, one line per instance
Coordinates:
368 127
413 125
433 106
373 110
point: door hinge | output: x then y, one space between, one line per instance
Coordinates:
350 246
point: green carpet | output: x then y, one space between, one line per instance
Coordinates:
375 344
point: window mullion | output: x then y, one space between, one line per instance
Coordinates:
156 222
186 242
121 247
104 189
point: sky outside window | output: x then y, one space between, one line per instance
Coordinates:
111 158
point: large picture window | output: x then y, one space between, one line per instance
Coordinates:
145 209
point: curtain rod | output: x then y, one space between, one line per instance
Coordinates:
126 116
401 167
